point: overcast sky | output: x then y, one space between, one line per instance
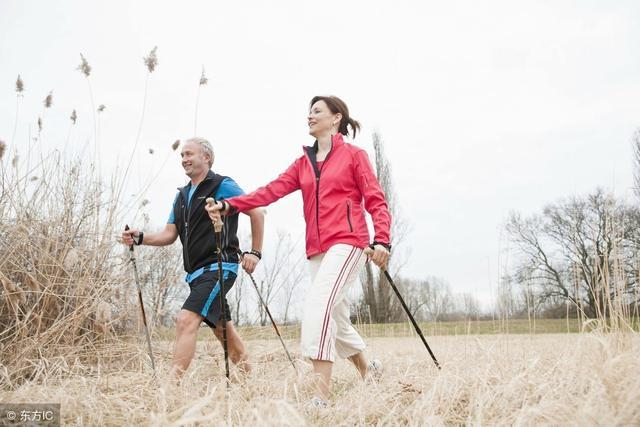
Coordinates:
485 107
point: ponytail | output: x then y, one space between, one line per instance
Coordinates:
355 126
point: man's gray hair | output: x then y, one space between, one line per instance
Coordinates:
206 147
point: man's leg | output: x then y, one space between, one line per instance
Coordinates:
186 334
237 350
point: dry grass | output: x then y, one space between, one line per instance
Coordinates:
577 379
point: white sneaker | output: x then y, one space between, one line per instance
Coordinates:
374 369
317 403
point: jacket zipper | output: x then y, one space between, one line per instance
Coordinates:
324 162
186 213
349 216
318 207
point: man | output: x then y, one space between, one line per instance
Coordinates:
189 221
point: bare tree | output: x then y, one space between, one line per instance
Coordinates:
162 279
413 294
509 303
438 298
636 162
377 294
581 249
281 273
292 285
469 305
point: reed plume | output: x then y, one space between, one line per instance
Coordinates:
19 85
48 101
203 79
151 61
84 66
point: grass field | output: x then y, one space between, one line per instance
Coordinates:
391 330
550 379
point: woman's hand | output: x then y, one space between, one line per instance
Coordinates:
379 255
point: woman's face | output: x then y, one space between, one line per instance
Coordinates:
322 121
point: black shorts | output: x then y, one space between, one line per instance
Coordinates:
204 298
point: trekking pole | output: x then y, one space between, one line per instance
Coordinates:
369 251
132 258
266 308
217 226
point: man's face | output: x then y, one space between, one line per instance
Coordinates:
194 160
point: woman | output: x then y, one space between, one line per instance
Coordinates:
335 179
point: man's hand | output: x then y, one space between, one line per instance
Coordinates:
379 255
213 209
249 262
127 236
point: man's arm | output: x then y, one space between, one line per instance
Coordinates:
161 238
249 261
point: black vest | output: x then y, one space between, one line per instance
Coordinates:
196 230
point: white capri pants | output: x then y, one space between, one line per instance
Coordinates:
326 327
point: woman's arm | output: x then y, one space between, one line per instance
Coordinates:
284 184
374 200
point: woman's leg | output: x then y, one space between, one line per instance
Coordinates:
349 344
360 362
330 273
322 378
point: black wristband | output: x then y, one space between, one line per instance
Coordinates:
253 252
137 240
227 208
386 245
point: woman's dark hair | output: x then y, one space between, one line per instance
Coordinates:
337 105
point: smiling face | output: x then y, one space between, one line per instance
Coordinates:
194 160
322 121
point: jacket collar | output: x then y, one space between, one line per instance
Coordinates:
209 176
336 141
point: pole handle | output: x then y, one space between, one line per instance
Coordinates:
126 228
369 251
217 222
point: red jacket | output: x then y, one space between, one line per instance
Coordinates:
332 196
